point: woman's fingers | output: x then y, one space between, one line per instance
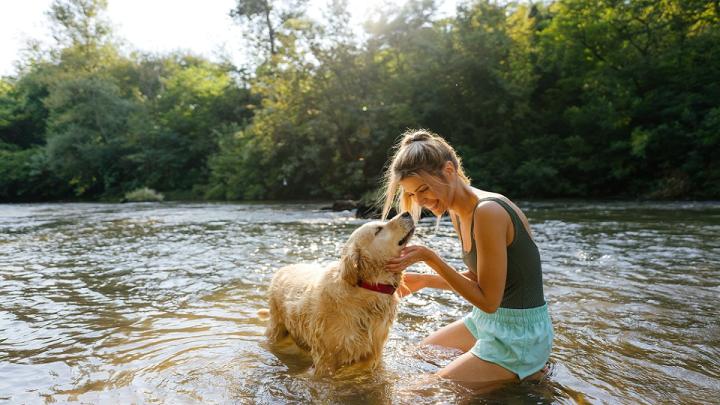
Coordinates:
408 256
395 267
396 264
408 249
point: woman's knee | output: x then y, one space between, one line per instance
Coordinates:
455 336
471 369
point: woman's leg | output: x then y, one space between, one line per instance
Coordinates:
455 335
469 368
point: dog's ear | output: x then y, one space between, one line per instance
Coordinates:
353 264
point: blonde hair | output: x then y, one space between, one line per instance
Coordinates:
420 152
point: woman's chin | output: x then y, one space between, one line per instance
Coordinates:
436 210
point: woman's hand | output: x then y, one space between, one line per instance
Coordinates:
408 256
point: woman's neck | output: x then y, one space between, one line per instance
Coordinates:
464 200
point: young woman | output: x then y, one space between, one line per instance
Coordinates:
508 335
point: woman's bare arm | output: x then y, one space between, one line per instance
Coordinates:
486 290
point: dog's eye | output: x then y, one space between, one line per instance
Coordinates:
377 231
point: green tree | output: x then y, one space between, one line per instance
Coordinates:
631 84
88 122
22 113
267 19
189 106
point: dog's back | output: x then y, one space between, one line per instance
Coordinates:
342 313
292 293
339 324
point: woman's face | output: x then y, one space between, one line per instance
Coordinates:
423 194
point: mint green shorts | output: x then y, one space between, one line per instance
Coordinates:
519 340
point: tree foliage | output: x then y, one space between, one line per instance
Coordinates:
571 98
267 20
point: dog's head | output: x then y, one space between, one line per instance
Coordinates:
371 246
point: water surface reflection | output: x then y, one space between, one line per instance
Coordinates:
157 303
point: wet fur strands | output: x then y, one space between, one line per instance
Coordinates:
327 312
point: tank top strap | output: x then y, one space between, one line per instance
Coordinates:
517 222
472 228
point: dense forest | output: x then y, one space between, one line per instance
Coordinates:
564 98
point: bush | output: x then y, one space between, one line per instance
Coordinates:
143 195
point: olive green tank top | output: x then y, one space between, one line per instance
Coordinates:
523 285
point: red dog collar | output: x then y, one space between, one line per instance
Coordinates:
381 288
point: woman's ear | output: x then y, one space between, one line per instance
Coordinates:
448 170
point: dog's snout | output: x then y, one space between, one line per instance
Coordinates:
405 214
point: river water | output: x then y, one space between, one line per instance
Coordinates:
157 303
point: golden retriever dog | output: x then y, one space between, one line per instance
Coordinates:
342 313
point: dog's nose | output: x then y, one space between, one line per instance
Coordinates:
405 214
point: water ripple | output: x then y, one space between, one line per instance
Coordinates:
141 303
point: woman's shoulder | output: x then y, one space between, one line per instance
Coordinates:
485 197
488 205
488 209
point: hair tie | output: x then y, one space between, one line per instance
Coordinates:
417 137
